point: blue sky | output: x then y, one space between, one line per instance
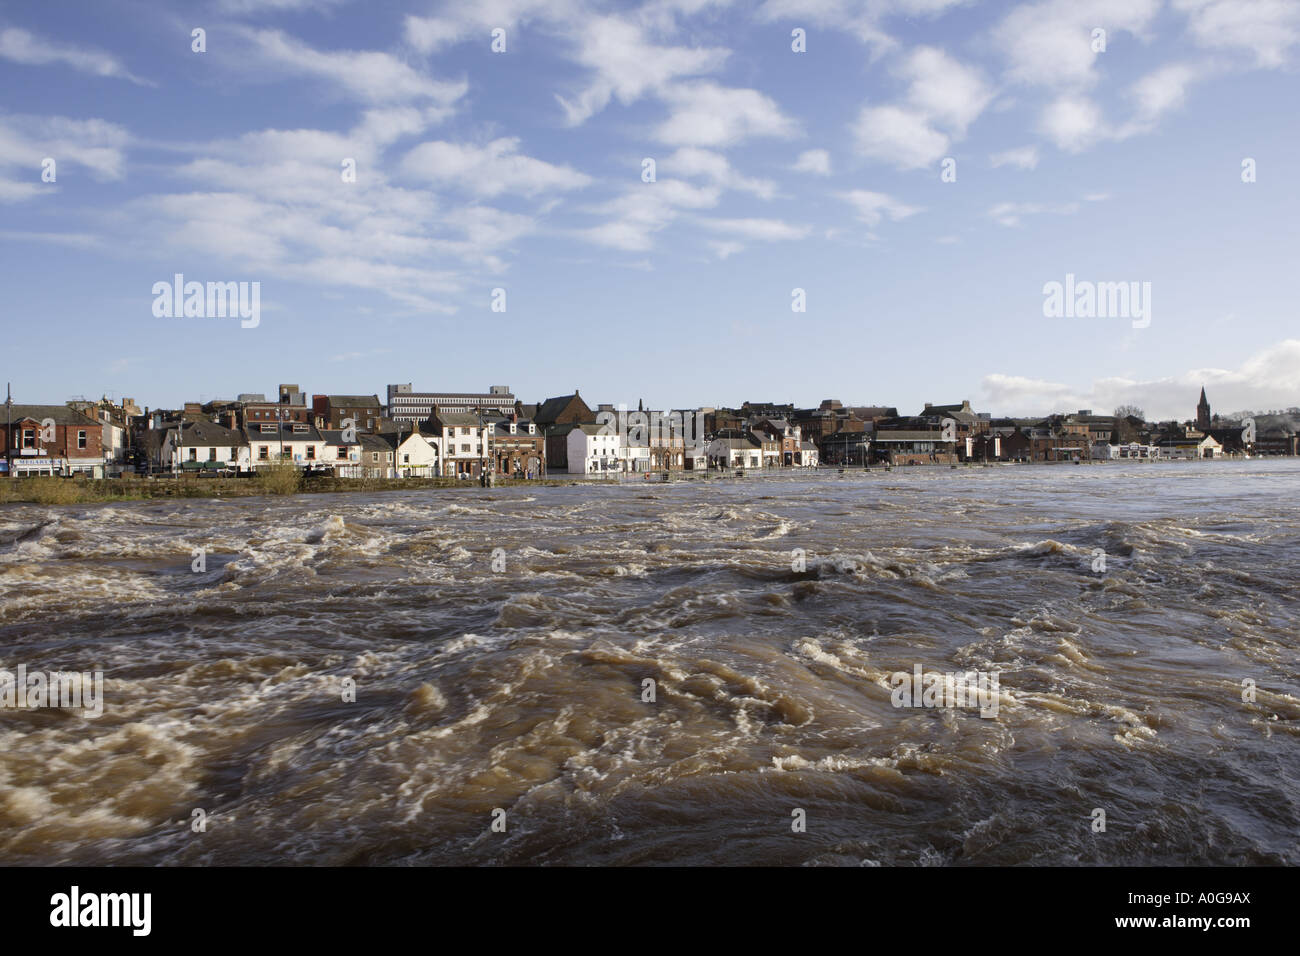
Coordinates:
775 170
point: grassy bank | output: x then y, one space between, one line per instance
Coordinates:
80 491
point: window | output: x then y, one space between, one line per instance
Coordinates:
212 454
406 459
267 429
263 453
343 452
81 439
311 452
194 454
29 438
374 456
300 429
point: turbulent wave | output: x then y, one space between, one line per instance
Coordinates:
663 676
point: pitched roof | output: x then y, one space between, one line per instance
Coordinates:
342 401
255 433
550 409
62 414
209 435
909 435
454 418
334 436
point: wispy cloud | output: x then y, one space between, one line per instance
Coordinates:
22 46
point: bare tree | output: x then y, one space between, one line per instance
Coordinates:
1130 411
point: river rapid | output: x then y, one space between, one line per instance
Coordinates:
503 644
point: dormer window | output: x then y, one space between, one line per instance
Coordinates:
300 429
267 429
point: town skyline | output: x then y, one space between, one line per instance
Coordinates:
915 175
1178 408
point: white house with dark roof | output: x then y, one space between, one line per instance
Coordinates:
593 449
295 442
342 452
203 446
418 455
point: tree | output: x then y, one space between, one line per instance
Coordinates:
1130 411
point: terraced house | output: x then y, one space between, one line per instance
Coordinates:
50 440
296 442
203 447
331 412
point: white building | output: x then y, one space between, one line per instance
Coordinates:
343 455
634 458
203 446
418 456
1105 451
461 439
406 405
295 442
1206 447
594 450
735 453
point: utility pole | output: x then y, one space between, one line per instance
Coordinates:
9 430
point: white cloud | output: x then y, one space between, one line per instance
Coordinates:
943 98
643 210
898 136
1023 157
1267 29
274 6
1162 90
1073 123
462 20
815 161
693 161
95 145
864 19
762 230
21 46
706 114
367 75
13 191
948 93
627 65
1050 43
872 207
1269 378
489 170
1011 213
273 204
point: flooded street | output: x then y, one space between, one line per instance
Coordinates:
1121 606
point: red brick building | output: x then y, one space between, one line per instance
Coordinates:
50 440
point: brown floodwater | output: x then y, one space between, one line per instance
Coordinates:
1121 607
